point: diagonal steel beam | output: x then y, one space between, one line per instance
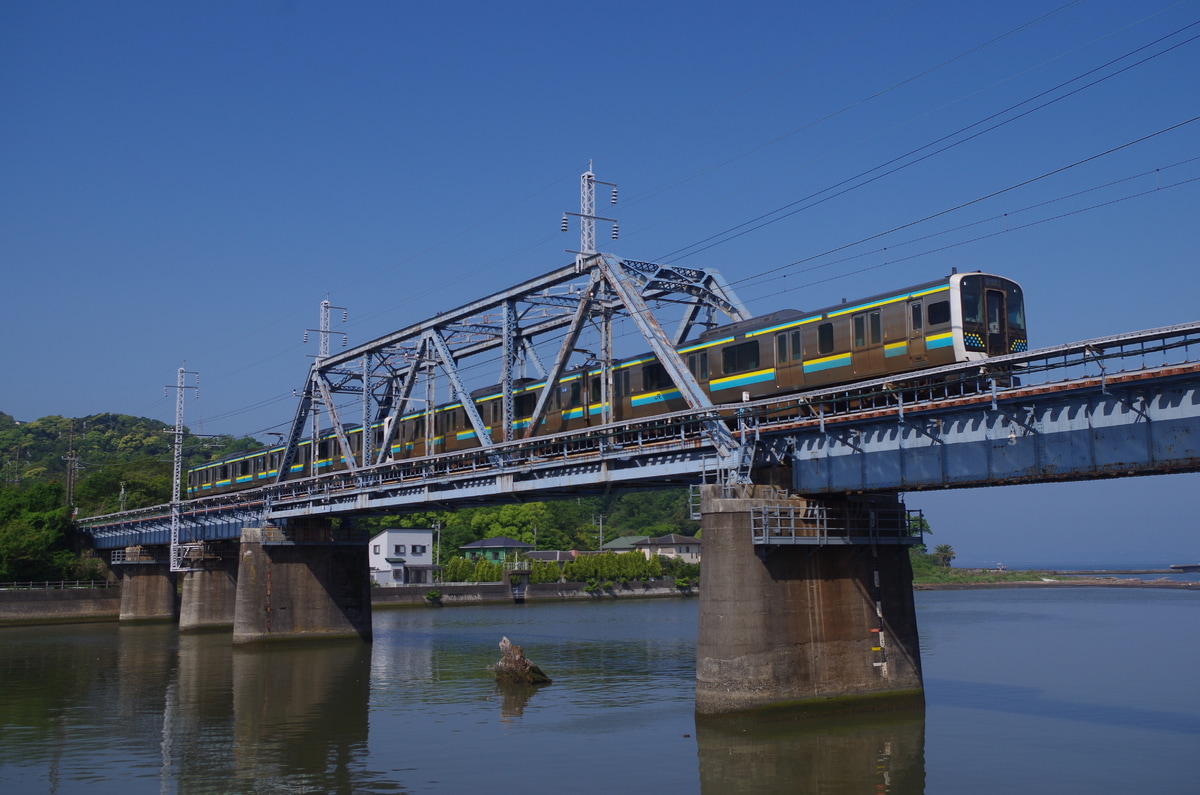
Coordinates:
668 357
339 431
450 368
578 319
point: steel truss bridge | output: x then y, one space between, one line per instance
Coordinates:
1115 406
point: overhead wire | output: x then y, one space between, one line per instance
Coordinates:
790 209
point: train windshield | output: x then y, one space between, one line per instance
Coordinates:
1016 307
993 314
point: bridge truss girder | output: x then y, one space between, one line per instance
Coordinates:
586 296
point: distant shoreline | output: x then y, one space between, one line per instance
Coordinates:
1072 579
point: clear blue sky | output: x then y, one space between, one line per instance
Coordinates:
184 183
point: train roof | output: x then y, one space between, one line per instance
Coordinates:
783 316
742 326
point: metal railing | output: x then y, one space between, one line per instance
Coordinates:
814 524
57 585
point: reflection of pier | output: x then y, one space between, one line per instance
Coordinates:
876 753
300 716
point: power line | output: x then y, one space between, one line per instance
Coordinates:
791 208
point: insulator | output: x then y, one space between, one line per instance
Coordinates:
614 196
343 341
564 222
306 336
616 232
345 314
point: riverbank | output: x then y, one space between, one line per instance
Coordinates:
70 606
1076 580
499 593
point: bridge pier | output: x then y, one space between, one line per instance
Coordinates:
210 591
302 581
804 624
148 591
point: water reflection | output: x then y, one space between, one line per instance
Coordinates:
283 718
513 699
862 754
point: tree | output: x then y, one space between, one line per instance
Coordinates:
944 554
36 535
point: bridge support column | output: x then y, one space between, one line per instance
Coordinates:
210 591
148 590
804 625
305 580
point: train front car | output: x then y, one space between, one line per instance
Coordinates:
989 316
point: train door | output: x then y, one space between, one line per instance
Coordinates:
788 371
916 332
996 313
868 342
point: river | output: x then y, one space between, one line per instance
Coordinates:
1064 690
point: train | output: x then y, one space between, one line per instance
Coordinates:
959 318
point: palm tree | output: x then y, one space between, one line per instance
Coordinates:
944 553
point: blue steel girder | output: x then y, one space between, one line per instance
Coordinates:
1137 423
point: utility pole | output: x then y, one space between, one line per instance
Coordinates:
587 249
72 468
180 386
600 520
587 216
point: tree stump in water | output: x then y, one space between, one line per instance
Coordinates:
515 667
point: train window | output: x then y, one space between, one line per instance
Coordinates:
939 313
576 392
860 331
525 404
797 351
595 389
916 316
995 308
1016 309
824 339
739 358
876 326
223 473
971 304
703 365
621 382
654 376
244 467
781 348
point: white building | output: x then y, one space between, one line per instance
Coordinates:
401 557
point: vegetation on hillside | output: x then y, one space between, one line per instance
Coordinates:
106 452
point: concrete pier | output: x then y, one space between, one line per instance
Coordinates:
807 627
305 580
210 591
148 591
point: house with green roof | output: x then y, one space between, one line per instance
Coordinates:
623 544
496 550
